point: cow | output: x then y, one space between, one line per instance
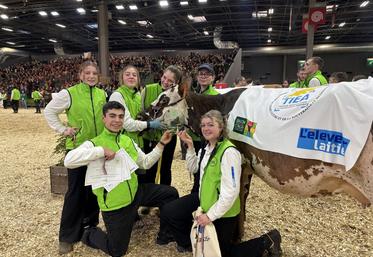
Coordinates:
178 106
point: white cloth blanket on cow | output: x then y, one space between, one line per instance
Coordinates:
329 123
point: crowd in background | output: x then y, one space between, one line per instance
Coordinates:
53 75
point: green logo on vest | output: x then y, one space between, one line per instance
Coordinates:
213 162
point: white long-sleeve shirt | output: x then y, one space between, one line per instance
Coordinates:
59 103
129 124
229 185
87 152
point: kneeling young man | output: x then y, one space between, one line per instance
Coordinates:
119 206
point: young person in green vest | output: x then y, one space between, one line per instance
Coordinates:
301 77
36 96
129 96
205 79
119 206
171 75
83 104
14 98
219 164
313 67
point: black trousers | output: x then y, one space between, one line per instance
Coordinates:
15 105
119 223
166 163
37 106
80 207
177 218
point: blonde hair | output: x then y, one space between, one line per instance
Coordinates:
220 119
126 68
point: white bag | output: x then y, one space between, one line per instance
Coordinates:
204 239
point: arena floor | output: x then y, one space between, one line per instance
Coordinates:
334 226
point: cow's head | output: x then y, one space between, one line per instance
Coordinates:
170 107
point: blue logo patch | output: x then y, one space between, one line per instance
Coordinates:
328 141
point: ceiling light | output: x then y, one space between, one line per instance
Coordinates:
190 17
4 16
7 29
327 37
54 13
199 18
92 25
60 25
202 1
24 32
270 29
365 3
271 11
269 41
149 36
80 10
119 7
79 0
184 3
133 7
144 23
3 6
42 13
10 43
52 40
260 14
122 22
342 24
163 3
330 8
96 38
206 33
94 10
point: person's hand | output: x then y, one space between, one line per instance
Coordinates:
70 132
109 154
183 135
155 124
203 220
166 137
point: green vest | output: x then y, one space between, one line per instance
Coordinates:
124 193
210 184
133 102
151 93
36 95
297 84
317 75
210 90
16 94
85 113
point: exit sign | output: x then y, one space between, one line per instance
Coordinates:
370 62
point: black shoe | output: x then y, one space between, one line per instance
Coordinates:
274 249
183 249
85 237
163 239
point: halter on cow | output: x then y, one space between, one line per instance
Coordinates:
305 177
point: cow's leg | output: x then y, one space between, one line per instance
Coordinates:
246 175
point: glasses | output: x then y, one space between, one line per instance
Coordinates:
204 74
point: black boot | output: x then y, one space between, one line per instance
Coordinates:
273 239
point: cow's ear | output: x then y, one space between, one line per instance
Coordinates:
184 86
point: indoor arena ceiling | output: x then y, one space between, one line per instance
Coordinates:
40 26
